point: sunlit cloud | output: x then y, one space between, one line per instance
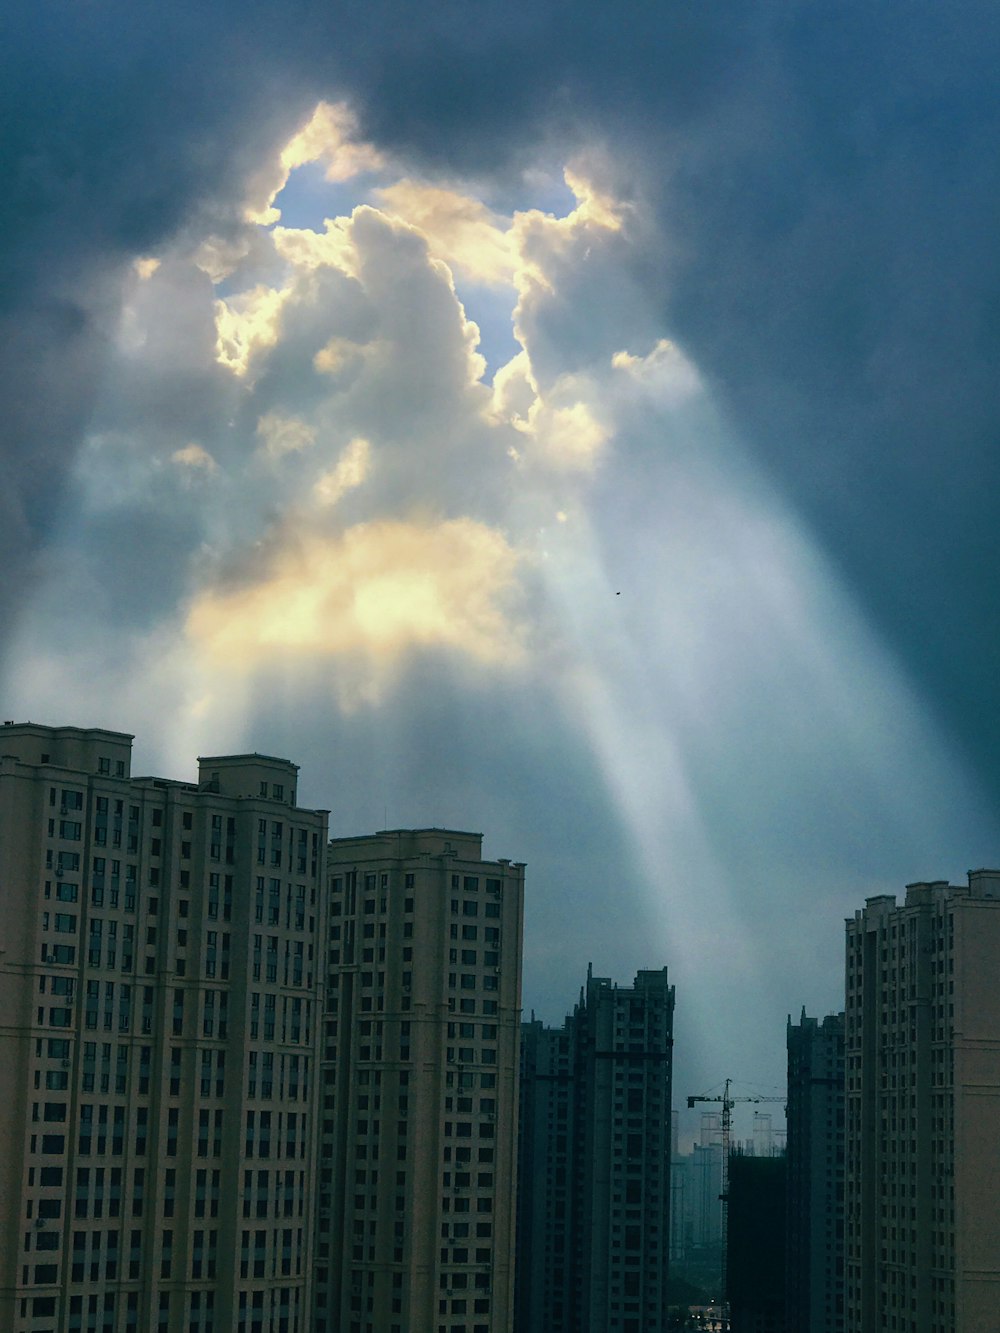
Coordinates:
350 471
460 230
246 323
333 247
543 242
593 205
566 426
378 589
571 437
329 136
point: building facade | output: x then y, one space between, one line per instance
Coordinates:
922 1050
815 1159
594 1207
160 992
420 1067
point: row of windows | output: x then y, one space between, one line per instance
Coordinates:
289 1134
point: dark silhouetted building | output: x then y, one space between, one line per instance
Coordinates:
594 1170
544 1290
755 1244
815 1222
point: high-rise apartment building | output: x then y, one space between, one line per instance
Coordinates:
159 1023
419 1133
922 1053
594 1209
815 1160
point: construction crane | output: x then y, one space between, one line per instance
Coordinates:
727 1122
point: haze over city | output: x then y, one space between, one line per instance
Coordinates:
570 425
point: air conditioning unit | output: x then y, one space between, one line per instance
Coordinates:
59 872
66 1064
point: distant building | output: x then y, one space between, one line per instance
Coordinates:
923 1110
696 1217
419 1121
159 991
594 1208
696 1206
767 1141
755 1245
815 1213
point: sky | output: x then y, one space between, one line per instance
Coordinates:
572 423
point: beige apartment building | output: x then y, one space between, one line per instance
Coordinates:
160 992
922 1050
418 1156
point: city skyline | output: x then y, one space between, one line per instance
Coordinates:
285 1071
580 432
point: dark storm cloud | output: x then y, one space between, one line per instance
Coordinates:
826 182
840 286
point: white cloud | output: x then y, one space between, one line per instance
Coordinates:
284 435
514 392
350 471
460 230
566 426
333 247
246 323
570 437
193 457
